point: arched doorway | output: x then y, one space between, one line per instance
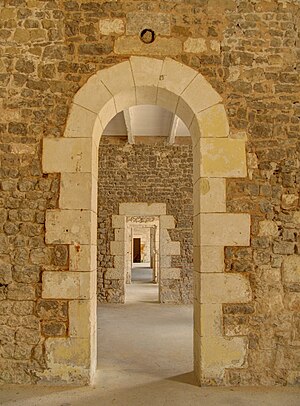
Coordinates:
216 156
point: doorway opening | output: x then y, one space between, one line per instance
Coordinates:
216 156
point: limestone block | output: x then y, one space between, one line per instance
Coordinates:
67 155
142 209
93 95
146 71
167 222
197 286
167 100
196 317
117 248
218 353
268 228
146 95
125 99
212 259
67 352
195 45
120 234
80 123
117 78
165 261
175 77
224 288
78 191
118 221
164 236
82 258
119 261
211 320
113 273
132 45
291 269
185 112
213 122
170 273
82 318
194 130
196 230
71 227
222 157
197 356
200 95
225 229
196 259
110 26
137 21
107 112
170 248
67 285
210 195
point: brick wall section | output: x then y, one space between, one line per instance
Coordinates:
152 174
249 51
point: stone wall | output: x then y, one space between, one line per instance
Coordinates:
249 52
153 173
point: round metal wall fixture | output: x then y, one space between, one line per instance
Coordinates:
147 36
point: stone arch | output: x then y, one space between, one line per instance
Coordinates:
186 92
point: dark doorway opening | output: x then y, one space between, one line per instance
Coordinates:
137 250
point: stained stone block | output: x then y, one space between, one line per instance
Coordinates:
62 229
228 229
82 318
175 77
218 353
68 155
210 195
83 258
93 95
67 285
222 157
81 122
146 71
123 72
78 191
73 352
213 122
137 21
224 288
109 26
200 95
170 273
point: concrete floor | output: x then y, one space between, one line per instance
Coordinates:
145 359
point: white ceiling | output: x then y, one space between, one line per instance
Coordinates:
146 120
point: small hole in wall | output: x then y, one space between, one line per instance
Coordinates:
147 36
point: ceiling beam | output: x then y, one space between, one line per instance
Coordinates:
128 123
173 129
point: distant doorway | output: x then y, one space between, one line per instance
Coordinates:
137 250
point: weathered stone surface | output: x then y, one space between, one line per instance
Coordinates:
161 46
291 269
111 27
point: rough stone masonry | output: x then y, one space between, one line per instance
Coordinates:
249 52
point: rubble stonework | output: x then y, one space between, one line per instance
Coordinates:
250 56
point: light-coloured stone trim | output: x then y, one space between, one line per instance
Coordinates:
170 84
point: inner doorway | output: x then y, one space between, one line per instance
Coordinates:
136 250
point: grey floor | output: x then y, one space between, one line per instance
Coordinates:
145 358
141 274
